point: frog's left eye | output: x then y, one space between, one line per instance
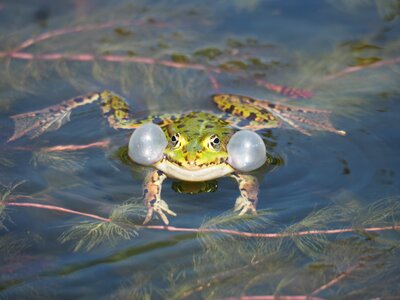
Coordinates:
214 142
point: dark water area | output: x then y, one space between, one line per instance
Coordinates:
171 57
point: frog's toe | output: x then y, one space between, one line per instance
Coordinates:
244 205
160 207
150 212
240 203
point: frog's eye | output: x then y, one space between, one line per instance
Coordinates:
246 151
147 144
214 142
175 140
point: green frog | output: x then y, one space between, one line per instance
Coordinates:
197 142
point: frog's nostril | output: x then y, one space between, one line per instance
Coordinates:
191 157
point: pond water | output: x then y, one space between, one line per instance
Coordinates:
338 56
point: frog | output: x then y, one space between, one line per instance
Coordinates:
197 141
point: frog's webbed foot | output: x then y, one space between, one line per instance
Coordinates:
35 123
152 197
253 114
247 201
244 205
160 207
38 122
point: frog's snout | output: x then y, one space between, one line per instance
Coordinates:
193 151
191 157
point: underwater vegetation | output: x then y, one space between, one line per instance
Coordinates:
344 242
70 208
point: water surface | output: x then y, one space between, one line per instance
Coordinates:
317 182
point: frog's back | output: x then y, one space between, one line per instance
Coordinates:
199 123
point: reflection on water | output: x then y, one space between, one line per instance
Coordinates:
71 210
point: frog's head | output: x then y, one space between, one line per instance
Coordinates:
197 141
197 147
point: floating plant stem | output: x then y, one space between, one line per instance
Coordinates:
354 69
63 31
88 57
337 279
100 144
210 230
58 208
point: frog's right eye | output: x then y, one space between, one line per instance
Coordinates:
175 140
147 144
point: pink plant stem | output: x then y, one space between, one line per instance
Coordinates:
58 32
57 208
110 58
213 80
337 279
268 235
205 230
99 144
290 92
350 70
87 57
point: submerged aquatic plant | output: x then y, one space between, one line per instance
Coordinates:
89 234
5 195
234 261
69 162
346 243
6 162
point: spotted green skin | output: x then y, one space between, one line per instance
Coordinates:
192 152
195 148
197 141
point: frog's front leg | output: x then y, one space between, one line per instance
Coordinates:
152 196
248 186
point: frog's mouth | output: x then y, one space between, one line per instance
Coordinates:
201 174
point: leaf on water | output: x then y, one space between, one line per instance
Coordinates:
365 61
68 162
